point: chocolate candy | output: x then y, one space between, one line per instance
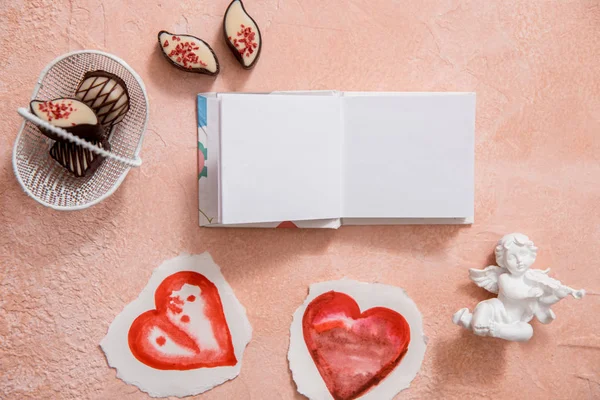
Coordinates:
242 34
70 114
188 53
77 160
106 94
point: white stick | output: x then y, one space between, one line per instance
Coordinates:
23 112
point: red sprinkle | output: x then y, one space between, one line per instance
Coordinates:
247 38
161 341
56 111
185 319
185 53
166 43
191 298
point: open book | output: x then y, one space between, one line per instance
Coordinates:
325 159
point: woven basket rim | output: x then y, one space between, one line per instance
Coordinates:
137 150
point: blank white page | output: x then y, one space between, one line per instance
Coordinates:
280 158
408 155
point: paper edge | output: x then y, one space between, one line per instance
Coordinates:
245 337
314 290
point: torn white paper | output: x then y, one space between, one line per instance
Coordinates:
354 340
185 333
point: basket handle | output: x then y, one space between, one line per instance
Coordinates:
23 112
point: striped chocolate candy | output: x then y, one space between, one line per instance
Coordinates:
77 160
106 94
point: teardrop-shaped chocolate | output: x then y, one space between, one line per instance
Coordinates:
77 160
106 94
188 53
70 114
242 34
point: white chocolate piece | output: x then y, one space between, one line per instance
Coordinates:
188 52
64 113
242 33
523 293
106 95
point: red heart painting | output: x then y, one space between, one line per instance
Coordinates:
187 330
353 351
287 225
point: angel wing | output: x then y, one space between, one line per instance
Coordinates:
487 278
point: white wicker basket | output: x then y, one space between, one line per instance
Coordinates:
44 179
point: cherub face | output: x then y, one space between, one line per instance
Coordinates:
518 259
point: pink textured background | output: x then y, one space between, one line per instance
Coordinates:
534 65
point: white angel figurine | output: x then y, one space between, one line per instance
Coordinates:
522 293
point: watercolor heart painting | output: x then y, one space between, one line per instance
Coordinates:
187 330
353 351
185 334
352 340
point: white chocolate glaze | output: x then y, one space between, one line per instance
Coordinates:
242 32
188 51
106 96
64 113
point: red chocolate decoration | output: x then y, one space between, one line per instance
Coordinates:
188 53
242 34
245 42
56 111
69 114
